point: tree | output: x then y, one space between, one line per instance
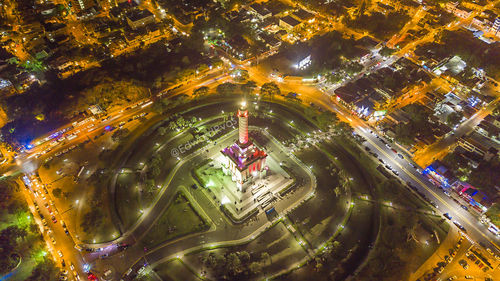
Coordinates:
57 192
265 256
389 82
226 89
93 219
326 118
244 256
255 267
199 92
344 128
233 264
185 60
155 165
45 270
353 68
494 214
120 134
248 87
202 67
386 51
269 89
240 74
454 118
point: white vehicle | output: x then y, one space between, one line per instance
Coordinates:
72 136
493 229
60 253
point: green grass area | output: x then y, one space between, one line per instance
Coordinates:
96 216
127 198
270 252
406 241
175 270
180 218
317 219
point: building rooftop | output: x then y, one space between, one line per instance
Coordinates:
260 9
136 15
303 15
291 21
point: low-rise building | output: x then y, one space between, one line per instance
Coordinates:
259 10
479 144
139 18
303 15
289 23
458 10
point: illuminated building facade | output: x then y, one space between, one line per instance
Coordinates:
243 160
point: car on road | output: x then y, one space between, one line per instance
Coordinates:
387 145
128 272
459 226
463 263
464 207
60 253
54 220
490 251
447 193
401 156
468 277
446 215
381 161
394 150
395 172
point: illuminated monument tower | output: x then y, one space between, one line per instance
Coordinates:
243 160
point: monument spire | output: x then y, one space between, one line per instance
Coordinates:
243 123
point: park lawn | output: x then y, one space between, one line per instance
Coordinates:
179 219
277 242
127 199
174 270
395 255
106 230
